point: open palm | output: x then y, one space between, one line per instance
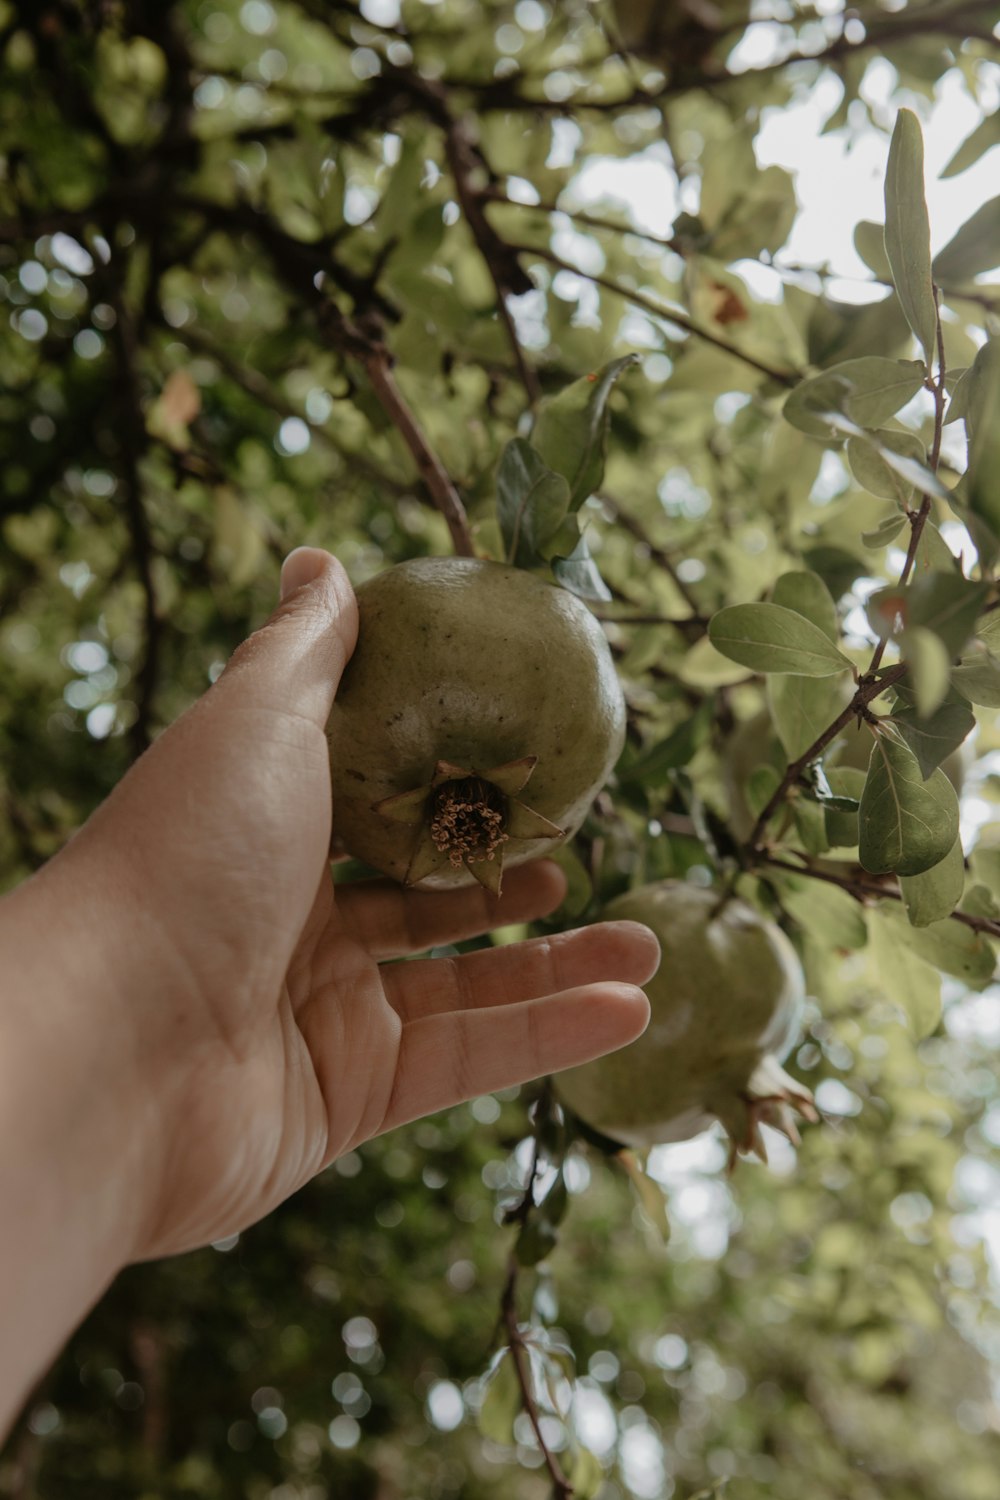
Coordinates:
270 1031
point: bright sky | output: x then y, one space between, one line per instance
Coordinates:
838 177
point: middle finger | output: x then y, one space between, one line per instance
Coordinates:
624 951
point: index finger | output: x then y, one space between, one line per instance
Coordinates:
391 921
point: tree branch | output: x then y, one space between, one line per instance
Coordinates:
520 1214
378 364
466 161
866 890
919 521
869 687
666 314
628 523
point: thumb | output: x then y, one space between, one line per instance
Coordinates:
294 663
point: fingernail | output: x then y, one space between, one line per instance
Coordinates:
301 566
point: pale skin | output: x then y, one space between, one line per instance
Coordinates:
192 1025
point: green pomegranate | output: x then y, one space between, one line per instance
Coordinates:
727 1003
476 721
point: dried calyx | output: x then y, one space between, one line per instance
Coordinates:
466 818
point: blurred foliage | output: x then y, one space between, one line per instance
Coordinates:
258 261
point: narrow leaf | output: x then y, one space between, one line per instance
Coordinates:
907 231
985 136
972 249
769 638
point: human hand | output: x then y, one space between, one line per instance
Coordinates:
259 1031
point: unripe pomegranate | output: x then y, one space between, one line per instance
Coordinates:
476 721
727 1003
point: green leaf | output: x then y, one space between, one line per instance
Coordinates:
536 1240
801 708
769 638
932 896
867 390
552 1209
885 532
981 484
402 199
934 738
652 1199
978 901
847 784
869 242
907 231
977 676
501 1403
810 825
829 915
873 473
571 429
578 573
906 978
917 474
676 750
930 666
808 595
532 502
933 554
905 824
761 785
947 604
985 136
956 949
933 618
972 249
586 1475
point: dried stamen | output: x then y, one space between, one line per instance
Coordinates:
468 821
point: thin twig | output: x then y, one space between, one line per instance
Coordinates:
666 314
447 499
267 394
581 216
519 1214
628 523
465 160
919 521
868 688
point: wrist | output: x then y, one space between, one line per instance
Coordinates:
73 1118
